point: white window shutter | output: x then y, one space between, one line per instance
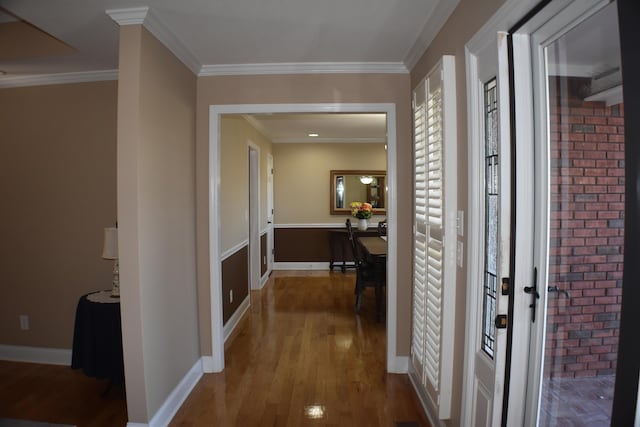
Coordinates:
434 263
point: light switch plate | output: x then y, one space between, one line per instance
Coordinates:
460 223
459 253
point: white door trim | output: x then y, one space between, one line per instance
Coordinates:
395 363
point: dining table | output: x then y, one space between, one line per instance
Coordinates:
375 252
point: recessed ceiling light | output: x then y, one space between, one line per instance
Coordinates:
313 134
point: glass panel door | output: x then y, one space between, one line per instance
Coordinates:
583 288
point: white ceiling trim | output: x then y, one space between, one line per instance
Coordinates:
151 21
611 96
128 16
430 30
304 68
59 78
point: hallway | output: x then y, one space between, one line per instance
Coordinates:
302 357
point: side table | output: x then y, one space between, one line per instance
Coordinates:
97 337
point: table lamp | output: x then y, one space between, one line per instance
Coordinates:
110 251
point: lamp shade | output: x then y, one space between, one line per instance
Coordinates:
366 179
110 249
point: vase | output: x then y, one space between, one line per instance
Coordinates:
362 224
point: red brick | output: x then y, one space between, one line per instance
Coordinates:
601 349
585 374
588 358
596 120
582 112
617 138
595 137
598 155
599 365
593 309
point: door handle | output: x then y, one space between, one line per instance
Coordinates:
558 290
533 291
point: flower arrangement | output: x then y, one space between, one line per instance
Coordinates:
361 210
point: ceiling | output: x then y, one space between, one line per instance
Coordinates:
330 128
207 34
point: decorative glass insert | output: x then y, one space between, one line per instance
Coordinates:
490 284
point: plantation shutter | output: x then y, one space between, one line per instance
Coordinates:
434 269
420 230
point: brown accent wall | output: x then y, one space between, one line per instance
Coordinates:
313 244
235 277
586 232
301 245
263 254
58 187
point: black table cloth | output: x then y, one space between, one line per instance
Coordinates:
97 338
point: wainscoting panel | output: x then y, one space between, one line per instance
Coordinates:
235 278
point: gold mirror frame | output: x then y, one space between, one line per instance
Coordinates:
373 191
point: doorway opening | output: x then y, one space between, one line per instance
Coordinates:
394 363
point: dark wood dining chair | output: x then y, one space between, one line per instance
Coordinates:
382 227
365 271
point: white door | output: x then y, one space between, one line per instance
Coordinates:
567 65
254 217
269 213
489 230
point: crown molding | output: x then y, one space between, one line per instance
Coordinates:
162 32
431 28
58 78
304 68
128 16
150 20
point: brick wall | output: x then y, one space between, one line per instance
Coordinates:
586 232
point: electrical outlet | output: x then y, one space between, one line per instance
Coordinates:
231 296
24 322
460 253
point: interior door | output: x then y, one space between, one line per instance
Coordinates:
269 213
489 237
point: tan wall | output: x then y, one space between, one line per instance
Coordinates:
156 210
236 133
308 88
302 182
465 21
58 186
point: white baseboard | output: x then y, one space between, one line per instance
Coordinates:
264 279
207 364
176 398
398 365
233 321
50 356
300 265
429 410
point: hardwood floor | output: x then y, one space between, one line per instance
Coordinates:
300 357
58 394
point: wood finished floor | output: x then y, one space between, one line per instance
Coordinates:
300 357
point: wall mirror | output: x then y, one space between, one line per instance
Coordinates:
358 186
